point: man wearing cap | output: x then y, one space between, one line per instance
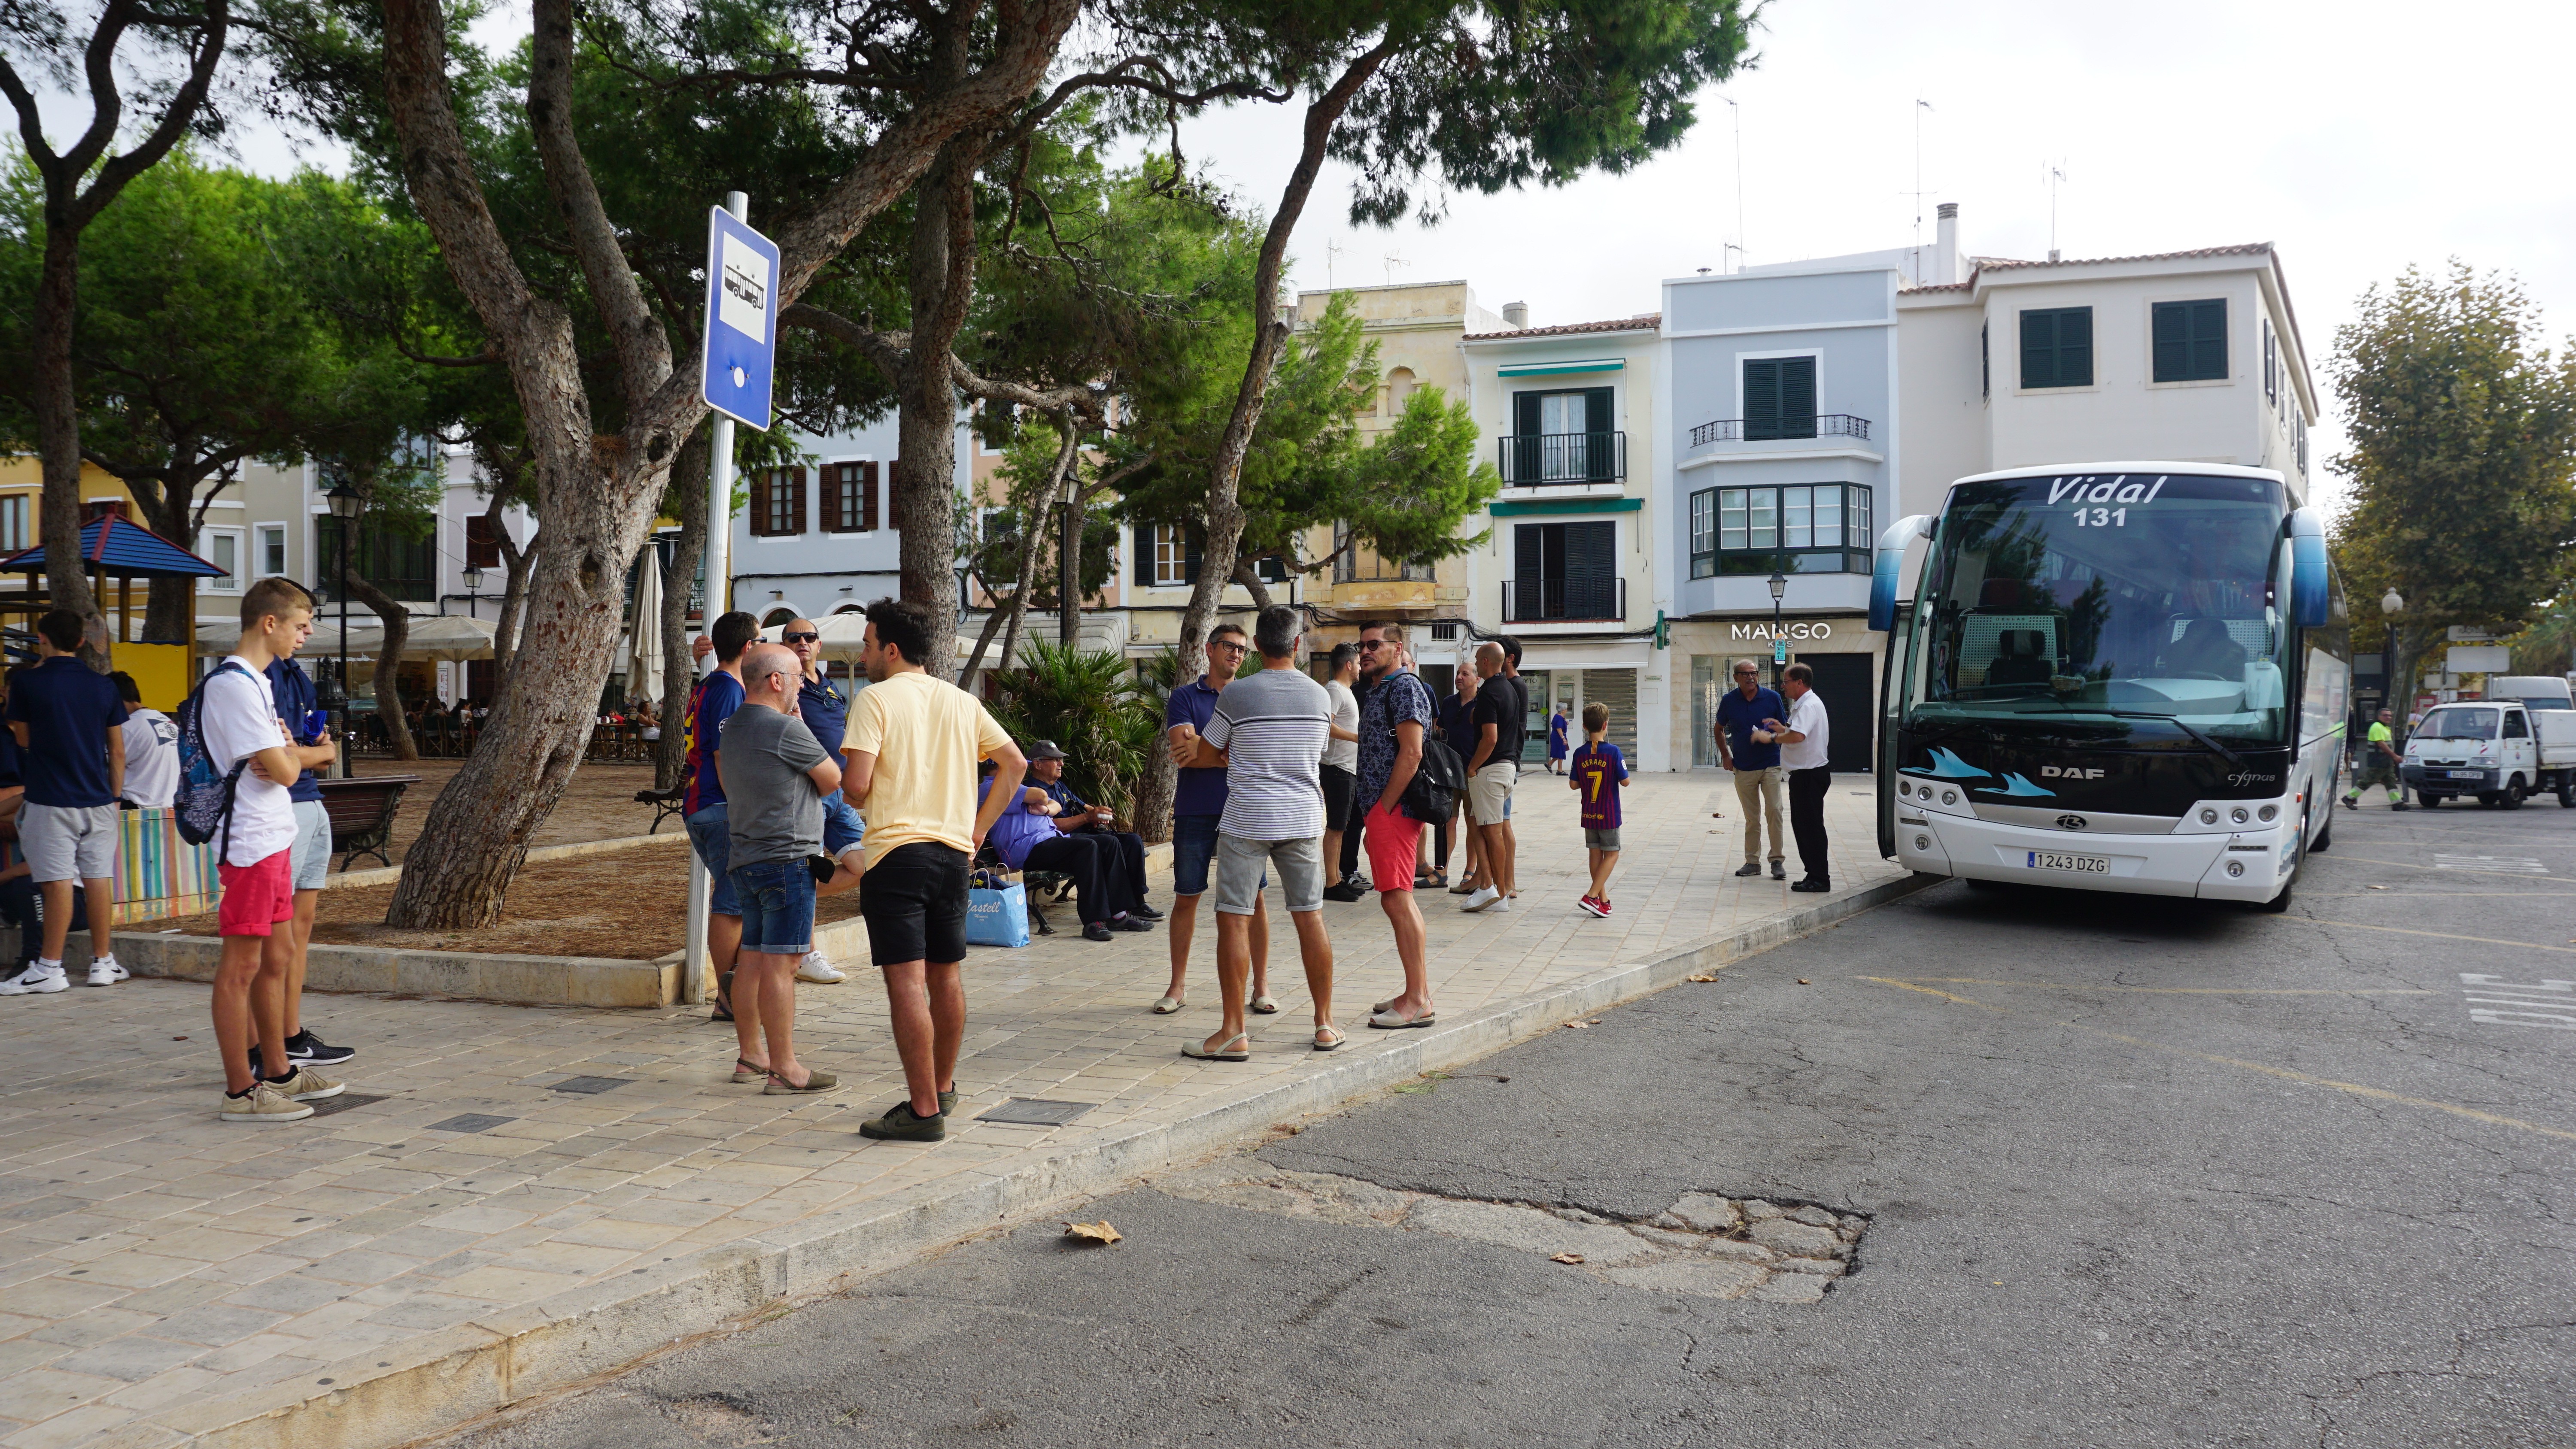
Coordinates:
1050 828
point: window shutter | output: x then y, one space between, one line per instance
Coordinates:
1985 361
2209 338
1529 551
1762 399
1525 413
1798 397
1591 550
796 503
867 496
1197 553
1144 546
2038 349
2075 347
2173 342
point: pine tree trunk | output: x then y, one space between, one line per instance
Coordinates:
942 274
397 621
58 521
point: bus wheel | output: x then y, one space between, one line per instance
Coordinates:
2514 794
2325 838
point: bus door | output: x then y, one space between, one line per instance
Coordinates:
1891 711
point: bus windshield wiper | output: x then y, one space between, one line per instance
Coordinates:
2177 722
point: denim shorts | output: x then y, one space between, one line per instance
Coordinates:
711 836
777 898
1193 848
311 861
842 827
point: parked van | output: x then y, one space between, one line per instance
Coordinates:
2497 750
2536 691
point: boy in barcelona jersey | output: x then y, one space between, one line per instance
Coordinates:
1599 773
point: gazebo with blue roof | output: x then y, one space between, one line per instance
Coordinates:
111 547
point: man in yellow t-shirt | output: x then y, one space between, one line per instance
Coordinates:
913 746
2377 765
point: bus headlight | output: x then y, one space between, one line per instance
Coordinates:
2269 812
2237 815
2208 816
1949 797
2236 867
1905 788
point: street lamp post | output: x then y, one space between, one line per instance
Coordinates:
345 503
2390 606
1779 587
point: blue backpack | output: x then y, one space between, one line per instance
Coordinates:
205 799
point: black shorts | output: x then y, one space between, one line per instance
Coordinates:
1339 785
914 901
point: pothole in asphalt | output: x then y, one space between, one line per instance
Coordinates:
1704 1244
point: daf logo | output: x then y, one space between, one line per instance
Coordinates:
2068 772
2070 822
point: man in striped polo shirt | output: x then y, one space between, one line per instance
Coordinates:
1273 728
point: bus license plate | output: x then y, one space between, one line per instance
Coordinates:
2081 864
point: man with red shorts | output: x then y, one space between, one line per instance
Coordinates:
1392 721
237 717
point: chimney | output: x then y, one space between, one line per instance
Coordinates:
1516 316
1945 255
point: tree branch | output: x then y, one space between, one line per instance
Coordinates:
643 348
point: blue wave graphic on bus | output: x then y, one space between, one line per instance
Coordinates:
2013 784
1947 766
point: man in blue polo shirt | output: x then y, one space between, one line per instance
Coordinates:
70 727
310 864
1761 790
825 708
1198 801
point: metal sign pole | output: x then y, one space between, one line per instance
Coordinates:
696 972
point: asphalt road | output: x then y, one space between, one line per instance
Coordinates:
2139 1172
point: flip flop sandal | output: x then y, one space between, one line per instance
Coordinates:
744 1071
1389 1021
1266 1005
1168 1005
1338 1042
1462 888
816 1083
1237 1048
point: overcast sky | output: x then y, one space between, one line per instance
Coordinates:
2360 137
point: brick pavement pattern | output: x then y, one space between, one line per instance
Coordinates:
157 1257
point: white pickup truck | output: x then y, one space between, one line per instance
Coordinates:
2496 750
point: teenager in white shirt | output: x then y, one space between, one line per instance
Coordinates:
151 749
1803 738
237 715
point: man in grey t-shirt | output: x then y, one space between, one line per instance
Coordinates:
1273 728
775 775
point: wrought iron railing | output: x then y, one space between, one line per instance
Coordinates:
1530 460
1529 601
1736 430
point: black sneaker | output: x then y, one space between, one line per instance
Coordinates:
1130 922
1813 887
1750 868
1096 931
1344 891
905 1125
304 1049
1145 913
1779 871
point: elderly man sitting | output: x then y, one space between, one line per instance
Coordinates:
1050 828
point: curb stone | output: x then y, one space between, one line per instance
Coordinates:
441 1382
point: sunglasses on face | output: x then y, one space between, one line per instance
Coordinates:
814 638
1228 645
1368 644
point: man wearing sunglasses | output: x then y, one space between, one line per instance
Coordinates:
825 708
1198 803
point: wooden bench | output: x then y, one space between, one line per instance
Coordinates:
665 803
362 814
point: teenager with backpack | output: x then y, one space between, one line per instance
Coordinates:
241 761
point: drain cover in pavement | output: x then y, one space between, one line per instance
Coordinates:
1037 1112
344 1102
591 1085
469 1122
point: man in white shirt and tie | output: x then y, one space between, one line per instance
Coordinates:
1803 738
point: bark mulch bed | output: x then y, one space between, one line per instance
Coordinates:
626 905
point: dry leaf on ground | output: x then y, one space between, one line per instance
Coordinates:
1703 976
1576 1025
1567 1258
1099 1232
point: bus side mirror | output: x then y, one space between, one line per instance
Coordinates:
1891 560
2310 592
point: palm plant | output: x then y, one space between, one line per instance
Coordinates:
1088 702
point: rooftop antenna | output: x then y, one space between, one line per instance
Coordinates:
1332 249
2056 177
1920 106
1738 113
1394 260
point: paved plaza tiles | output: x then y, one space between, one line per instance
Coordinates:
160 1265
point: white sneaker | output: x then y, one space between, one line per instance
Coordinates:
818 968
36 980
1484 898
103 971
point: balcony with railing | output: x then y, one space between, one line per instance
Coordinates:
1535 460
1765 430
1548 601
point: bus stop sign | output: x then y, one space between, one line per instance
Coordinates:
742 319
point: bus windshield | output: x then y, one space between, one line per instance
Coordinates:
2108 601
2459 722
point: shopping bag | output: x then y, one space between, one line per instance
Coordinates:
997 911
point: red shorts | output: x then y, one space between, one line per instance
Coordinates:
256 897
1394 847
